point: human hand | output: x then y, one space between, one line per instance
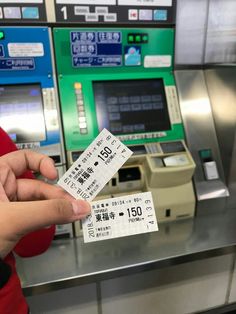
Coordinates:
27 205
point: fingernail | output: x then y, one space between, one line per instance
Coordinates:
76 208
80 207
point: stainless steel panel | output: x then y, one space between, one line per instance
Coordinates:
191 23
232 179
221 32
181 289
232 292
72 262
221 83
82 300
200 131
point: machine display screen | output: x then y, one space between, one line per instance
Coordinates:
21 112
131 106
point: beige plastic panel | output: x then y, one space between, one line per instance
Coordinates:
174 203
169 176
51 17
171 186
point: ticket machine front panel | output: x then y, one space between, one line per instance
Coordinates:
29 110
124 62
122 80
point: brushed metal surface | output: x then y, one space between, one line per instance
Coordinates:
221 83
221 32
205 32
200 131
191 22
71 262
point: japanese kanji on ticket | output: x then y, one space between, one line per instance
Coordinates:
95 167
119 217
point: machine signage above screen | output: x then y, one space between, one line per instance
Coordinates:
21 112
131 106
116 11
96 49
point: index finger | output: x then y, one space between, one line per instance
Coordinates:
29 190
23 160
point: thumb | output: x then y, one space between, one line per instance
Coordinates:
20 218
29 216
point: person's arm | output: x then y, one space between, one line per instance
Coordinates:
27 205
38 241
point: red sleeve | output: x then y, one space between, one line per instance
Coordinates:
7 146
35 242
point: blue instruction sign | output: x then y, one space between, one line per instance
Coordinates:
94 49
19 64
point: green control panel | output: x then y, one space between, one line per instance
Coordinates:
119 79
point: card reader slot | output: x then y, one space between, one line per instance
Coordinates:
56 159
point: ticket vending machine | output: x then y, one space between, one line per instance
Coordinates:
28 96
122 80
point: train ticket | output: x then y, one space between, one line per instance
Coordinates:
95 166
119 217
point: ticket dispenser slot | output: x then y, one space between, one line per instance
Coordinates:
169 177
128 179
129 174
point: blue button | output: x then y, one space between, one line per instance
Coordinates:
30 13
160 15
